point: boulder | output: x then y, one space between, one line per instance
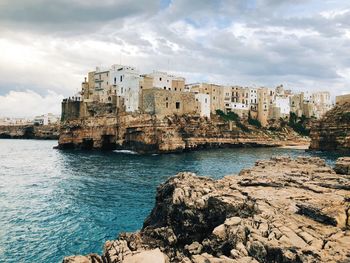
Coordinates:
342 166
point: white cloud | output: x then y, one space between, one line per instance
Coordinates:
28 104
300 43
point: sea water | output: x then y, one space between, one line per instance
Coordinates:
57 203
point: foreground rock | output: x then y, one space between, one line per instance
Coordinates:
281 210
332 132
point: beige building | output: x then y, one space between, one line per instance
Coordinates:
264 101
215 92
296 104
339 100
162 102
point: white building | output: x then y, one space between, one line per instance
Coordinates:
126 79
283 103
46 119
204 102
119 80
253 99
163 80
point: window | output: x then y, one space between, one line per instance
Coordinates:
213 98
160 79
177 105
141 87
115 80
205 100
164 87
175 89
122 90
166 104
121 78
166 98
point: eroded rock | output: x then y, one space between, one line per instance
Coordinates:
281 210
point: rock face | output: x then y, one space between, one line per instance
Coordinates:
281 210
332 132
146 133
45 132
342 166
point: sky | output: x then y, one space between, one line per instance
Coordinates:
48 46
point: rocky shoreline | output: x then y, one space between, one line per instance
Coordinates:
281 210
44 132
145 133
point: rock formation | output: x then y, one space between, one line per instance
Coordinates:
281 210
146 133
332 132
46 132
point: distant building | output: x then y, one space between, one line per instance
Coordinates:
46 119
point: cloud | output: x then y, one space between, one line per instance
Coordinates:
29 103
51 45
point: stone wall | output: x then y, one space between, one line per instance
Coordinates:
164 102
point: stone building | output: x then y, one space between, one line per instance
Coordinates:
163 80
162 102
215 92
296 104
264 95
204 104
322 102
342 99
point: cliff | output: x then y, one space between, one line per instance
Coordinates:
281 210
332 132
146 133
45 132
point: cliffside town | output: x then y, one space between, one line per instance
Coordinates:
118 107
281 210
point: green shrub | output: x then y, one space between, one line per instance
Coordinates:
346 116
242 126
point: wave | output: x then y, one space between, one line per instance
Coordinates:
125 151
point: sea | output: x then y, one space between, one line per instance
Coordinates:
56 203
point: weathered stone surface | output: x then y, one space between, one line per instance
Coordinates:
332 132
145 133
46 132
281 210
342 166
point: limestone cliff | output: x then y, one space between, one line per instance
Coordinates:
45 132
281 210
332 132
146 133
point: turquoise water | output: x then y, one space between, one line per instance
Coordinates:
56 203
